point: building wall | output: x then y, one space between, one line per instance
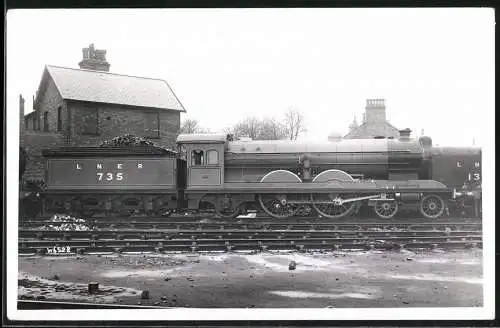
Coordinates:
49 100
114 120
34 143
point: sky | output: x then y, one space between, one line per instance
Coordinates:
434 67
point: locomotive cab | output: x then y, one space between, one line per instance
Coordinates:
205 159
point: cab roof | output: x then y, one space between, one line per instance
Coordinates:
201 138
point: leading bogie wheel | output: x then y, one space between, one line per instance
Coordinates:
386 209
432 206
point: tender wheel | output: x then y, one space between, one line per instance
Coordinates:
432 206
386 210
228 214
276 206
331 210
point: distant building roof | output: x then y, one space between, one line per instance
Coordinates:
104 87
371 130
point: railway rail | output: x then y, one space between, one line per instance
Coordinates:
263 225
245 219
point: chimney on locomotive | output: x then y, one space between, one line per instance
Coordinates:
404 135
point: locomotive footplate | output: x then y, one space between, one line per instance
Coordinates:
358 187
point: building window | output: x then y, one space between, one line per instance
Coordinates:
46 121
59 119
90 121
212 157
152 125
197 157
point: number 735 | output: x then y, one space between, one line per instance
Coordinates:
108 176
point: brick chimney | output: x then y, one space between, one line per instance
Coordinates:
375 111
94 59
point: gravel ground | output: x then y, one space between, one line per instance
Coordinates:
331 279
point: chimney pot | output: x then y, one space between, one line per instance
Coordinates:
94 59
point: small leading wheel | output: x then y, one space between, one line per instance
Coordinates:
386 209
276 206
330 210
432 206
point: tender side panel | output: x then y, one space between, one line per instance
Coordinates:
130 173
454 167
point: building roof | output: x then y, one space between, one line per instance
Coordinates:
105 87
373 129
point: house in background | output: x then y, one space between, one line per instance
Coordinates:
374 125
83 107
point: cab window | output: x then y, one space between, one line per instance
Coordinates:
212 157
197 157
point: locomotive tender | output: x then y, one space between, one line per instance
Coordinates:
230 177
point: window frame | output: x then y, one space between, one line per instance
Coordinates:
59 119
35 121
193 157
85 122
46 121
207 157
154 133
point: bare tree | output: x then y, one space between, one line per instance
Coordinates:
191 125
272 129
249 127
294 123
269 128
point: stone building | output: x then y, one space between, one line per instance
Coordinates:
374 123
83 107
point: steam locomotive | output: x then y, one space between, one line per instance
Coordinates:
281 178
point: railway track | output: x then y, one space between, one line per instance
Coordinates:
193 234
78 242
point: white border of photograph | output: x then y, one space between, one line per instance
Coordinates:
428 313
